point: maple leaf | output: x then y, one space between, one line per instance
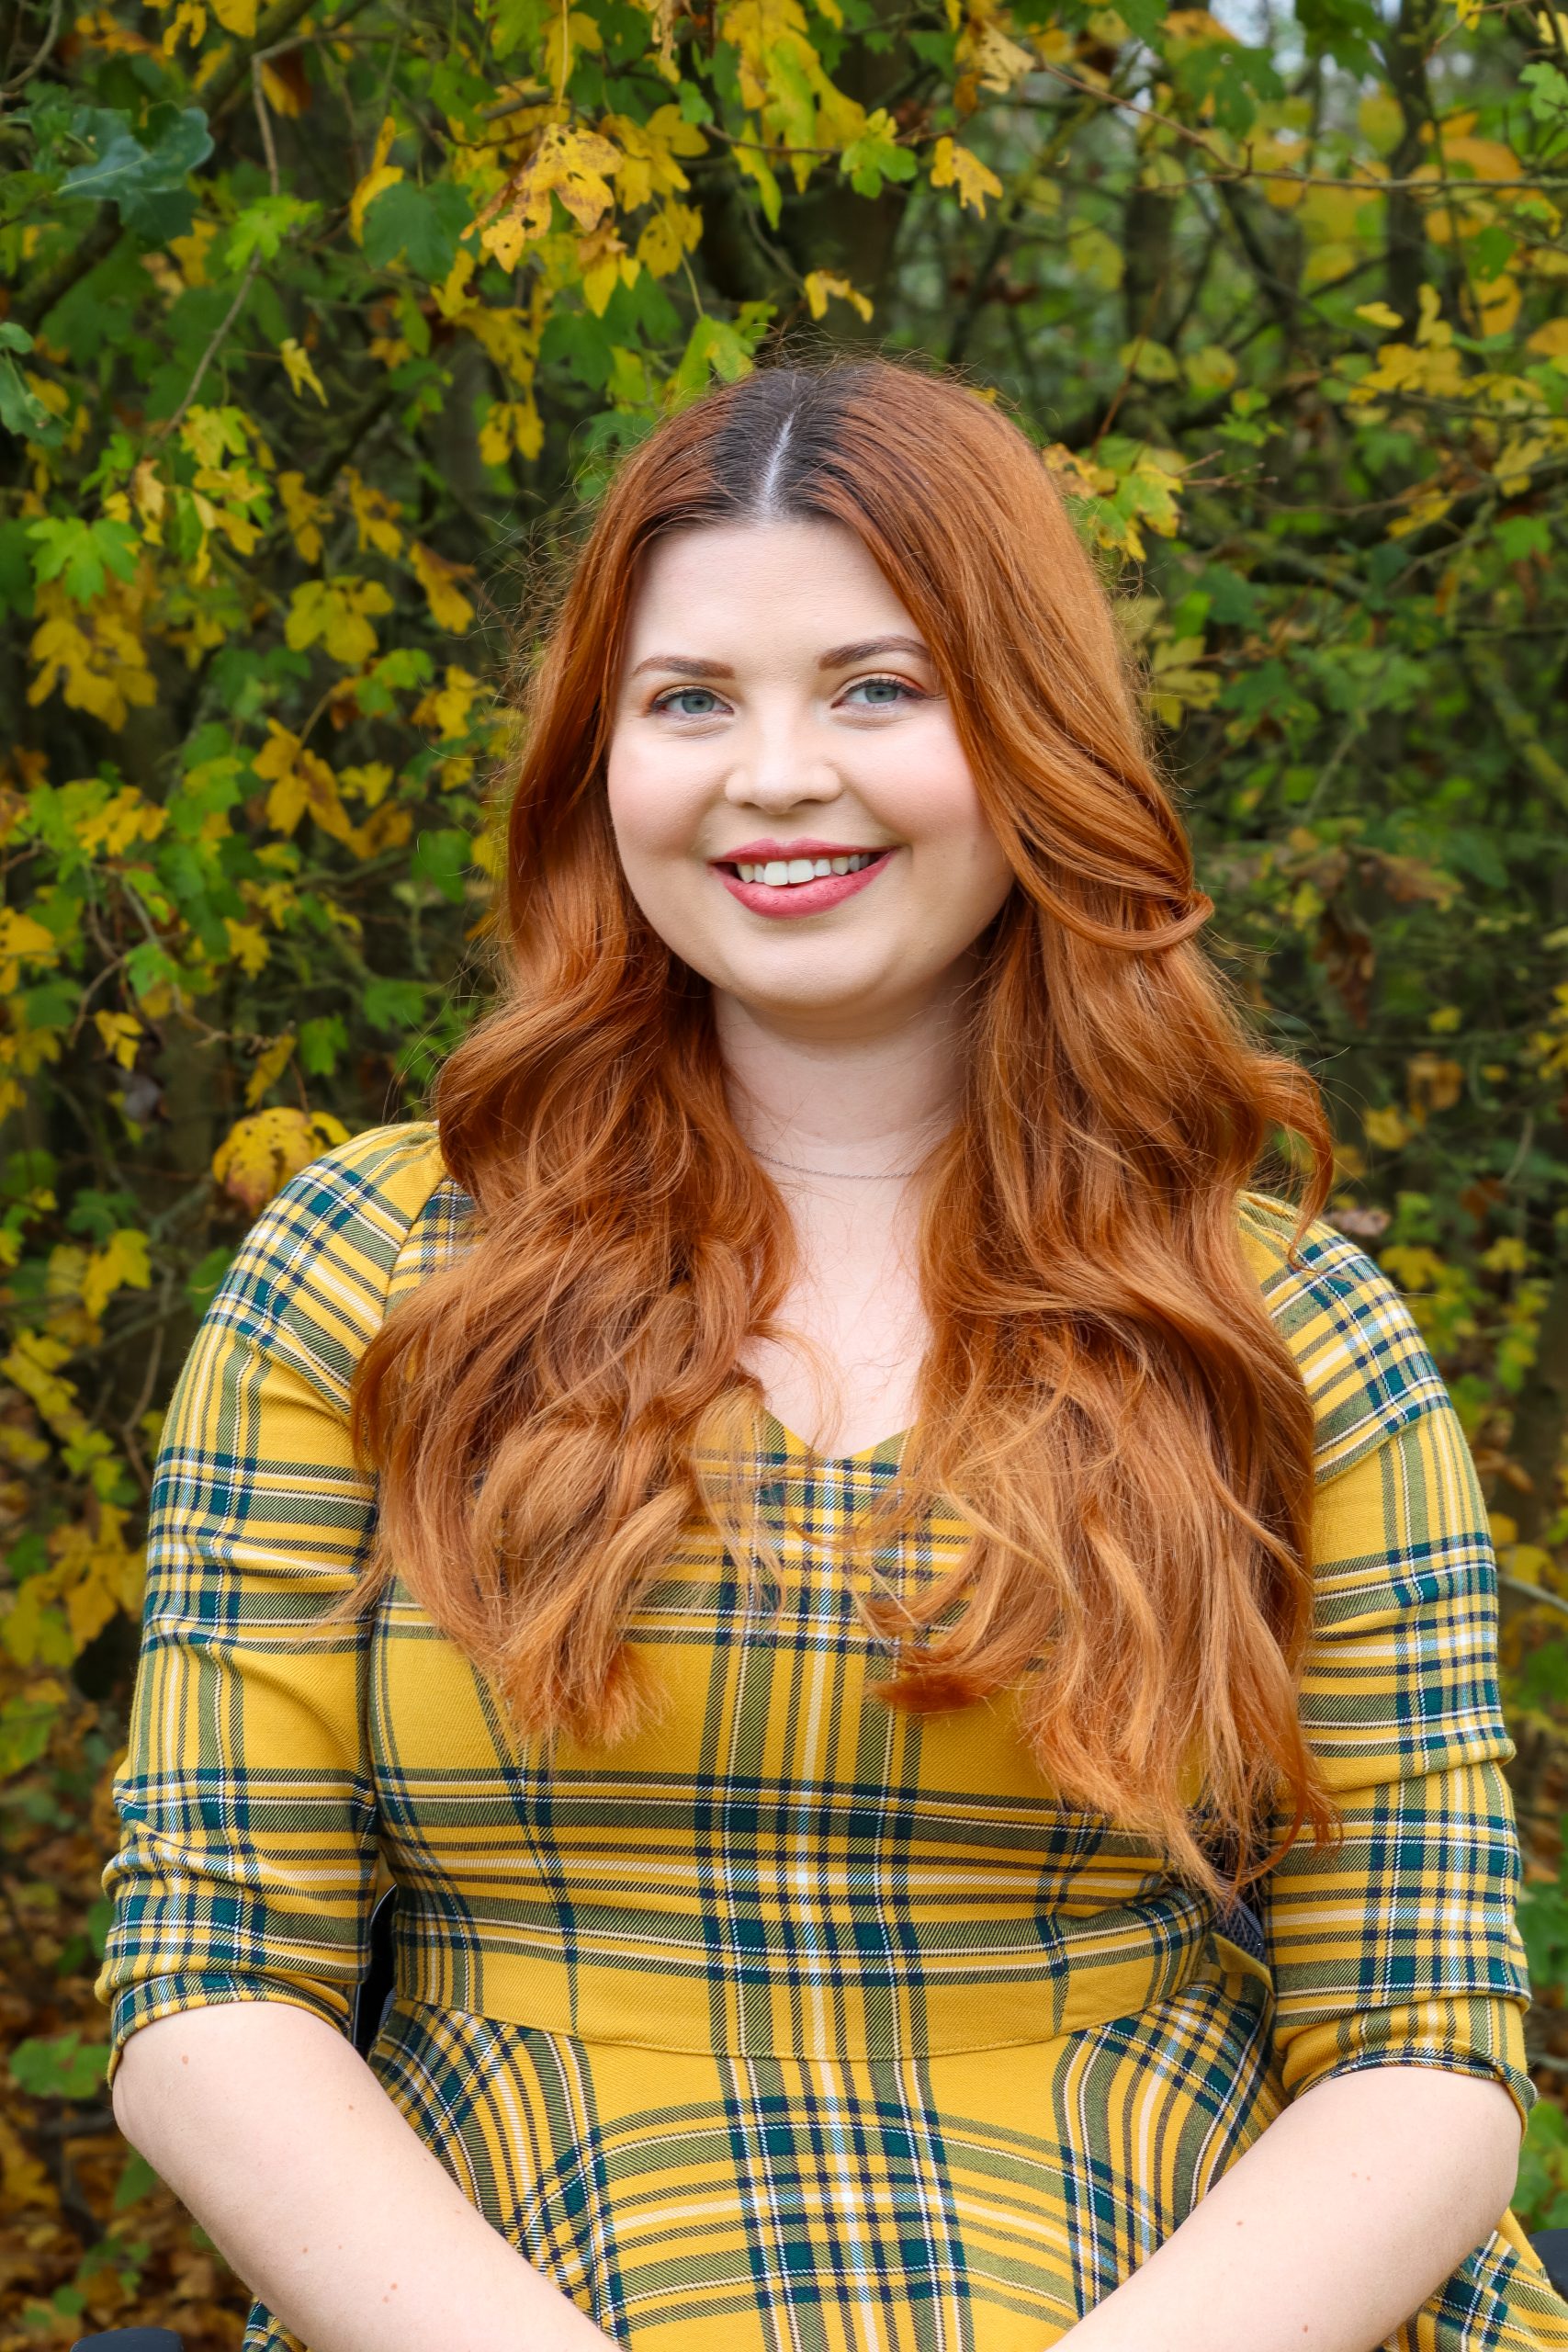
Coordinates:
955 166
449 609
297 365
259 1155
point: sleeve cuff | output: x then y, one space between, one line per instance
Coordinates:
1461 2036
164 1996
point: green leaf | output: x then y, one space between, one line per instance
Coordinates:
205 1278
262 228
143 174
1342 30
443 859
80 555
876 156
61 2066
321 1041
1548 91
422 223
393 1004
137 2179
21 411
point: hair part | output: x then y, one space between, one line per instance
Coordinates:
1105 1397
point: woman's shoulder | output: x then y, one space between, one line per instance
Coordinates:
344 1237
1361 1353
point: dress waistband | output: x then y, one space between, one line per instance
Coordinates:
1073 1976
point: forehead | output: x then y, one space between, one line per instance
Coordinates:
763 583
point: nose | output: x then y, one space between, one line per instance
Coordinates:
781 760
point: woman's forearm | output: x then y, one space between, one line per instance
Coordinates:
277 2136
1359 2199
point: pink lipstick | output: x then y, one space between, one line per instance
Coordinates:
807 898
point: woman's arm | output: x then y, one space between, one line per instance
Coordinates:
1357 2202
274 2133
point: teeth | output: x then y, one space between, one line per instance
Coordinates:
781 873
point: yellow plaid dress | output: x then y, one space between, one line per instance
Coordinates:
800 2024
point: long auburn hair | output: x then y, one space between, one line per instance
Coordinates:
1105 1398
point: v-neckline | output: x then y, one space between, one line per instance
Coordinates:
771 1423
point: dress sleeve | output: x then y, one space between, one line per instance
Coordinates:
247 1804
1400 1947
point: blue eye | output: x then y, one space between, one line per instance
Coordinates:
889 694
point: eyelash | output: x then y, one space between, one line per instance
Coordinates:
671 693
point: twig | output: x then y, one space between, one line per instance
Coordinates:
43 55
264 117
1535 1593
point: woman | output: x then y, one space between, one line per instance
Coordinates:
819 1849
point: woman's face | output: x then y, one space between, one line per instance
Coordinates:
778 717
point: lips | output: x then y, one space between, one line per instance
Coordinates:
796 899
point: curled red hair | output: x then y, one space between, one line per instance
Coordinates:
1105 1397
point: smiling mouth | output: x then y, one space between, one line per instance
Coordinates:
782 873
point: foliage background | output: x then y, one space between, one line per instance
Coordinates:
320 325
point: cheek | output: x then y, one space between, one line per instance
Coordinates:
650 815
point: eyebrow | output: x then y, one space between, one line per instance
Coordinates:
838 657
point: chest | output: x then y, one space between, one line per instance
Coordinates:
845 1369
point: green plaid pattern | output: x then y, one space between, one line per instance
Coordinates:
798 2024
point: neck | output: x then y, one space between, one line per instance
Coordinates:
872 1101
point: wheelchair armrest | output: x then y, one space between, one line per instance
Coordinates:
374 1996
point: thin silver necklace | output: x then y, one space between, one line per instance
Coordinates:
850 1175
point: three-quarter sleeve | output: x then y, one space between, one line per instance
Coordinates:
247 1804
1400 1946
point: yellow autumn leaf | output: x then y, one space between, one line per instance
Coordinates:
381 175
121 1033
300 373
1497 300
572 164
370 784
336 613
955 166
247 945
236 16
259 1154
121 1264
22 940
1551 340
659 247
302 512
822 285
125 818
1386 1128
374 515
446 707
270 1065
449 609
303 785
1379 314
